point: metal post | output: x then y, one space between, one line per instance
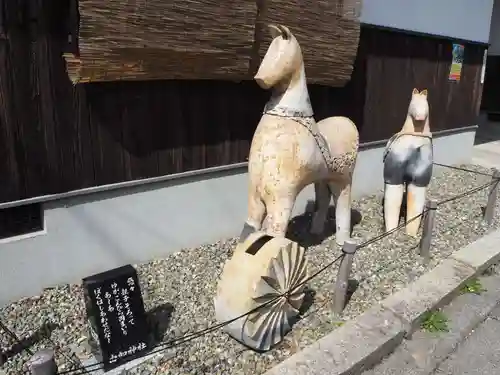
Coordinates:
427 230
43 363
349 249
489 212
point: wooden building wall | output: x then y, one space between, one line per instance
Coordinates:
55 137
491 92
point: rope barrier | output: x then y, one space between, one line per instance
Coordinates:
192 336
68 358
388 233
467 193
13 336
463 169
182 340
386 265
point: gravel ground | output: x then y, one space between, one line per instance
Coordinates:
187 280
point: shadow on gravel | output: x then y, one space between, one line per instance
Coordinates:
299 228
159 320
352 286
25 343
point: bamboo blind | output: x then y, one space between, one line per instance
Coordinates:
328 33
208 39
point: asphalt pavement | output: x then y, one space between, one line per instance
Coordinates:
486 151
479 353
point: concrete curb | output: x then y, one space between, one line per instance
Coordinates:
426 351
364 341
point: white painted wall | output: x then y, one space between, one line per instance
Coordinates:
494 48
93 233
461 19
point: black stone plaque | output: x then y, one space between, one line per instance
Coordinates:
115 311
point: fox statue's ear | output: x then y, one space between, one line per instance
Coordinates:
285 32
274 30
423 92
415 92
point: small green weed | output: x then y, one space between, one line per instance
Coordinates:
434 321
473 286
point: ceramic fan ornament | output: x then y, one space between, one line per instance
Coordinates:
263 271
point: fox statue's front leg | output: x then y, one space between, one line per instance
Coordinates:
322 203
393 196
342 197
415 203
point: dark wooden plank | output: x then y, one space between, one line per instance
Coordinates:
197 116
491 90
3 31
449 111
71 25
218 137
79 116
170 132
105 120
58 162
439 96
374 99
245 110
138 125
16 13
473 66
37 175
71 119
11 184
62 103
237 118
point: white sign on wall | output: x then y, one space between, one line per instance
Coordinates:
483 68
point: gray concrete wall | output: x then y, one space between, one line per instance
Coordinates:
462 19
92 233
